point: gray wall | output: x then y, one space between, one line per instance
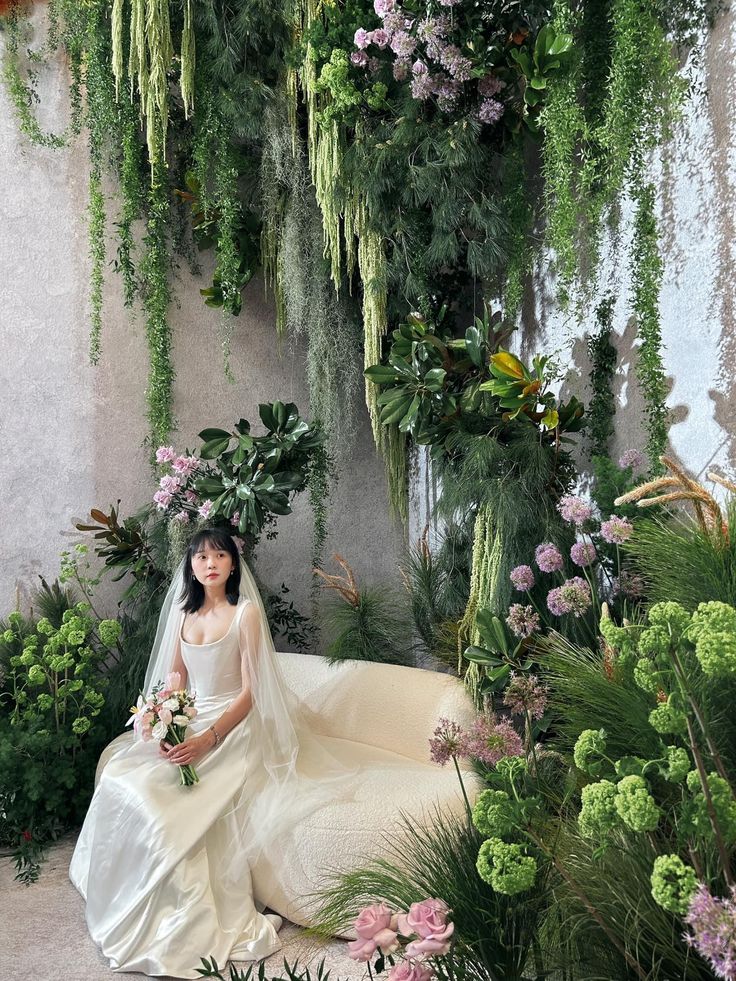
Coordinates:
72 434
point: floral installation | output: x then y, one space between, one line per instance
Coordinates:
166 714
379 929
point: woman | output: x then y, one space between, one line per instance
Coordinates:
164 868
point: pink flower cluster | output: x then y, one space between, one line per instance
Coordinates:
526 693
168 705
378 929
575 509
573 596
616 530
523 621
487 740
172 487
713 924
440 68
522 577
548 557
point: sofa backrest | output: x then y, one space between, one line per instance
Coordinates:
385 705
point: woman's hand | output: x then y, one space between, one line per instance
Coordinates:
192 749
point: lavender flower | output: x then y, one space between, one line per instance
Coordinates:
359 58
403 44
583 553
447 92
165 454
526 693
489 740
575 509
490 111
631 458
523 620
446 741
573 596
489 86
522 577
616 530
185 465
362 38
548 557
190 496
713 925
422 87
455 62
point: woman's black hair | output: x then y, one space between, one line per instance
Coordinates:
192 595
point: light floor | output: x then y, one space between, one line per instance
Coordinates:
43 936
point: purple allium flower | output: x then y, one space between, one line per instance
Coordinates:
629 584
575 595
455 62
422 87
583 553
401 69
362 38
631 458
575 509
182 517
713 925
489 740
204 510
170 484
616 530
359 58
383 7
523 620
555 603
522 577
380 37
394 22
490 111
165 454
489 86
162 499
526 693
403 44
446 741
447 91
548 557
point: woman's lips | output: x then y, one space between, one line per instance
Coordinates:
212 575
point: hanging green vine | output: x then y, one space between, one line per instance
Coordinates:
603 361
647 268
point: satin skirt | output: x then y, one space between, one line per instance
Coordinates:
152 860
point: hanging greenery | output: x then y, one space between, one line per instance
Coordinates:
603 361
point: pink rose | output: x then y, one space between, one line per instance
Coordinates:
173 681
387 940
430 946
165 454
204 511
190 496
185 465
408 971
372 920
362 949
169 484
162 499
428 920
165 716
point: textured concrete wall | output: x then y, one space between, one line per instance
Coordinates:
72 434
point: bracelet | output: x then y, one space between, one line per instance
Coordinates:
216 734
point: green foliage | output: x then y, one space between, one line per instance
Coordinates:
369 624
291 972
603 361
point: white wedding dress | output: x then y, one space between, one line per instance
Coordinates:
152 859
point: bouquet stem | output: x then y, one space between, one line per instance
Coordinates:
188 776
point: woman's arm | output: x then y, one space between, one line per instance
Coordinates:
195 747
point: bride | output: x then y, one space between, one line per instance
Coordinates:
165 869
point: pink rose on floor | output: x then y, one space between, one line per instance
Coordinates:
165 454
427 919
362 949
372 920
408 971
173 681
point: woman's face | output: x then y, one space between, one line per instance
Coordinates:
212 566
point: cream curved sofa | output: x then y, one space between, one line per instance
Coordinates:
380 718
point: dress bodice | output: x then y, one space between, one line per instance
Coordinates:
214 670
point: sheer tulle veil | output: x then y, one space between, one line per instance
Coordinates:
276 791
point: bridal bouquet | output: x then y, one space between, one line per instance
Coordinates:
165 714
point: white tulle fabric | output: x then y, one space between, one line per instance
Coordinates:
165 869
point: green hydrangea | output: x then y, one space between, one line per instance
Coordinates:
668 719
94 699
678 764
36 675
713 617
15 619
598 815
646 676
109 632
28 657
493 813
589 748
635 805
622 639
716 653
506 867
44 701
67 615
45 626
75 638
655 641
8 636
672 617
81 725
673 883
724 806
